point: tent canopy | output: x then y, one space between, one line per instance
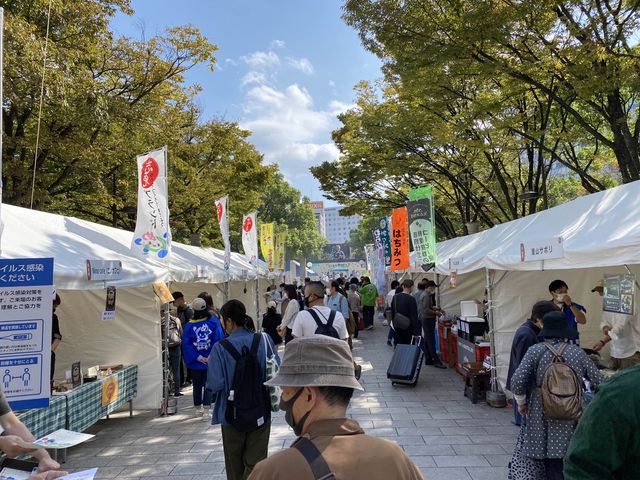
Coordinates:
597 230
72 241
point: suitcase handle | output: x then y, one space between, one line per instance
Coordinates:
416 340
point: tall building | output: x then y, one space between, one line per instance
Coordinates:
318 211
338 228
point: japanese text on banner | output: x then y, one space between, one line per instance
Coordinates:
250 238
281 238
152 236
223 221
399 240
420 211
267 244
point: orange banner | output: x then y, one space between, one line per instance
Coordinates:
399 240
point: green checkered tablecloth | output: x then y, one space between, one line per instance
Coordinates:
43 421
84 404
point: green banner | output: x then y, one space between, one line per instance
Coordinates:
422 225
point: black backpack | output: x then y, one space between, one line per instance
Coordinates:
248 404
325 328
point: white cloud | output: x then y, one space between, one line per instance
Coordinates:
253 77
336 107
277 44
302 64
261 60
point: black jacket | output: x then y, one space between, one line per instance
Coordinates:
405 304
525 337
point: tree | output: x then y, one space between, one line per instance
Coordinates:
581 55
284 205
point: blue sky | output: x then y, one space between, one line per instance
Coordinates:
285 69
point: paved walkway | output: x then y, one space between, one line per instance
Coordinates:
444 433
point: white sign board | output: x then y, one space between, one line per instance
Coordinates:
104 270
455 263
545 249
26 306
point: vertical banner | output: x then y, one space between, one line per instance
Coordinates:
385 238
280 239
267 244
400 240
152 236
422 225
26 306
223 221
250 238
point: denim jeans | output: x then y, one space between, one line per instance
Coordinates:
200 393
175 355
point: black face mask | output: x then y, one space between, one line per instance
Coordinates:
306 301
287 407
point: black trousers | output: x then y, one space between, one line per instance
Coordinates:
429 334
175 357
356 316
367 315
553 467
200 393
403 336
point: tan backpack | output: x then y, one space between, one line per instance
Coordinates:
561 389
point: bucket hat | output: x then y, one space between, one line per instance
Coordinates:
555 326
318 361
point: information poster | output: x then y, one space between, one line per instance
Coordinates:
26 305
619 294
109 313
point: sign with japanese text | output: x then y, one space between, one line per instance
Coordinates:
619 294
280 240
104 270
399 240
455 263
545 249
422 223
223 221
267 244
26 305
250 238
152 236
385 239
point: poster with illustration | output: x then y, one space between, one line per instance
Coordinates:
109 313
63 439
619 294
109 391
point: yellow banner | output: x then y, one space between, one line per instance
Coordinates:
281 238
267 244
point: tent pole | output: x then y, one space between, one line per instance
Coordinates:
164 410
492 339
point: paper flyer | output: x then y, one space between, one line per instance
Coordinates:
63 439
14 474
84 475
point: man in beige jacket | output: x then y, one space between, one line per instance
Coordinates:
317 380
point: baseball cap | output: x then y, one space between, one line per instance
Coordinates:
318 361
198 305
599 286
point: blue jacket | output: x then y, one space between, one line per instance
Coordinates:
198 340
339 303
525 337
222 369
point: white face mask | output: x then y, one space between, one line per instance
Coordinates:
560 297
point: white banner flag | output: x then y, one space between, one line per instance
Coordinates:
152 236
250 238
223 221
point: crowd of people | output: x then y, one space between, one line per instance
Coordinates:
552 378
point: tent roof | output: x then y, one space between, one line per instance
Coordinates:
72 241
598 230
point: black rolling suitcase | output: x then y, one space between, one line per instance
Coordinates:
406 363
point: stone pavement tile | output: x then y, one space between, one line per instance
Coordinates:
145 470
185 477
160 440
84 463
397 424
475 431
460 461
498 460
421 450
198 469
423 461
481 449
434 422
447 439
133 460
488 473
446 474
221 476
408 440
451 416
108 472
423 431
498 439
197 457
502 430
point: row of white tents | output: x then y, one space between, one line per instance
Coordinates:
134 337
600 235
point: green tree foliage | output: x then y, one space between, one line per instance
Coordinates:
107 100
284 205
362 235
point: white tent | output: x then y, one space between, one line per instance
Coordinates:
600 234
134 337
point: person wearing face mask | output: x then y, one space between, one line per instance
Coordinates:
290 308
574 312
243 447
305 323
525 337
317 380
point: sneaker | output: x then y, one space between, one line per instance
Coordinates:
199 411
370 327
206 416
385 323
439 365
178 394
